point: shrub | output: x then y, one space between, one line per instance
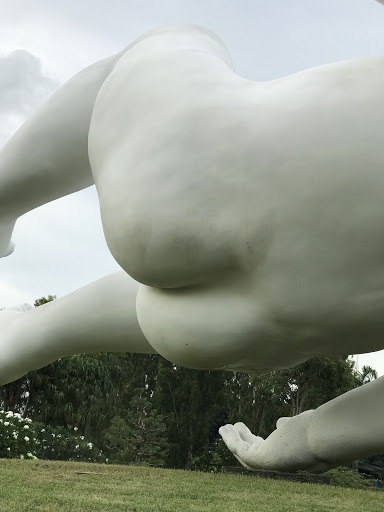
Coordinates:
17 436
214 457
60 443
347 477
22 438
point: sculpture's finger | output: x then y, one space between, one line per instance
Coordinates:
246 434
282 421
232 439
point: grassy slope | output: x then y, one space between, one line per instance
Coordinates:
54 486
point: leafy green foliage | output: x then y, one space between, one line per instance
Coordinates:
192 402
317 381
347 477
22 438
59 443
367 374
44 300
214 458
138 438
17 438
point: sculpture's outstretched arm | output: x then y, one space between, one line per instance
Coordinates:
98 317
346 428
47 158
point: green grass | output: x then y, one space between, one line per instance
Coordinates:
54 486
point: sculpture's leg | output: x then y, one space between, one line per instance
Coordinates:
98 317
346 428
47 158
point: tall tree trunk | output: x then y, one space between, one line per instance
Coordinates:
256 420
188 464
10 394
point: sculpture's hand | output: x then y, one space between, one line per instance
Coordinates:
286 449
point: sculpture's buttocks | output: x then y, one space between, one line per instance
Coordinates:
164 156
206 180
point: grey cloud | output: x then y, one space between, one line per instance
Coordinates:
23 87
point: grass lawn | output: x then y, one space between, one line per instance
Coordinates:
55 486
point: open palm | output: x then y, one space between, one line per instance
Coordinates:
286 449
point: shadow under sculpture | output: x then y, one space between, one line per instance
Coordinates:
245 217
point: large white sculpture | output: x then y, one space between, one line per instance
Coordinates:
251 214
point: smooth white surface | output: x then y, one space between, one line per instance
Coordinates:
60 246
255 254
266 39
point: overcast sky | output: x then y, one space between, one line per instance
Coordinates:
60 246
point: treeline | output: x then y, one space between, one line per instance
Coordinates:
142 408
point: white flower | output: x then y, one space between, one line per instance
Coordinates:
8 449
15 435
82 438
90 445
17 415
26 427
75 429
58 435
77 447
26 438
42 430
9 414
53 435
6 423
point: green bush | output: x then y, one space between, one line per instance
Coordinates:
22 438
139 441
60 443
347 477
214 457
17 436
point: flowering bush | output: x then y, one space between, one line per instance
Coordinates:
17 438
60 443
22 438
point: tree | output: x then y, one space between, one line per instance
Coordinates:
257 400
367 374
44 300
138 437
191 402
317 381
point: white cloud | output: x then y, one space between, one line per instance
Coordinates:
23 87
